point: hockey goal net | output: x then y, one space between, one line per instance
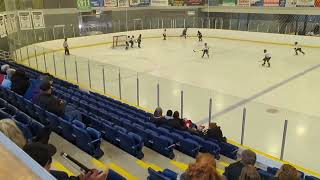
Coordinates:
119 40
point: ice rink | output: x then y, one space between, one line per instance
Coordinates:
233 77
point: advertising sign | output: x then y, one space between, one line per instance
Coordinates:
38 20
159 2
273 3
305 3
97 3
25 20
110 3
243 3
229 2
123 3
194 2
83 4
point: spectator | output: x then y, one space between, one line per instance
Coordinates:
157 117
34 88
7 83
168 116
203 169
215 132
233 171
288 172
249 172
20 82
57 106
42 154
4 69
176 122
9 128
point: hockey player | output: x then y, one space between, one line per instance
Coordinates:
164 34
184 33
267 57
205 50
131 41
199 36
139 41
297 48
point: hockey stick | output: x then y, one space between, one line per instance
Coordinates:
197 50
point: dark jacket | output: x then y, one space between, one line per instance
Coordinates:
176 123
233 171
50 103
216 134
20 83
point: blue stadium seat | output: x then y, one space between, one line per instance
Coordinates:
11 110
170 174
53 121
132 143
164 145
265 174
110 133
25 130
164 131
272 170
41 114
189 147
176 137
311 178
35 127
88 140
66 128
78 124
4 115
154 175
229 150
114 175
3 103
23 118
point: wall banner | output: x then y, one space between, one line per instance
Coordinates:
110 3
305 3
25 20
273 3
123 3
159 3
194 2
229 2
38 19
243 3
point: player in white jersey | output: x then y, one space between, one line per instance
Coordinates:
297 48
205 50
66 47
267 57
164 34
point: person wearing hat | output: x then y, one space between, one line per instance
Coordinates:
3 72
52 104
7 82
20 82
34 88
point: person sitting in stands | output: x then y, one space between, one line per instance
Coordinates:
7 83
203 169
4 69
176 122
157 117
57 106
34 88
20 82
233 171
215 132
10 129
168 116
287 172
43 153
249 172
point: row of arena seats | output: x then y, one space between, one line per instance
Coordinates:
87 139
31 127
118 121
104 117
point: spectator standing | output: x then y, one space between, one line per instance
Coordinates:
233 171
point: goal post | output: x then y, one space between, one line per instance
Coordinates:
119 40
